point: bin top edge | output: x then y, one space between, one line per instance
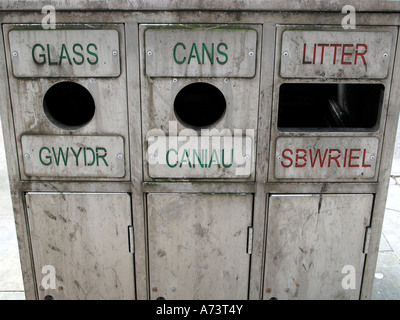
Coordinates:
203 5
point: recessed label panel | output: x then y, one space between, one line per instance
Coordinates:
73 156
180 52
335 54
61 53
200 157
326 158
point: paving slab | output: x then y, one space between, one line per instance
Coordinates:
387 277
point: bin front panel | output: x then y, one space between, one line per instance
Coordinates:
197 245
84 237
315 246
328 158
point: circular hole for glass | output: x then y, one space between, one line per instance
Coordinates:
199 105
68 105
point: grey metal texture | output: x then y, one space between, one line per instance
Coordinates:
135 106
78 234
311 239
197 245
335 54
77 156
81 53
213 52
327 158
207 5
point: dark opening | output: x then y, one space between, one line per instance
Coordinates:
68 105
329 106
199 105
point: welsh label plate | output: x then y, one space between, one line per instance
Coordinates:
326 158
73 156
200 157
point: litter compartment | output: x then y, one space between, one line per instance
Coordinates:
333 106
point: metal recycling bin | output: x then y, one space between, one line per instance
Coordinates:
171 151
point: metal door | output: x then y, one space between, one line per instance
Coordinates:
83 238
198 245
316 246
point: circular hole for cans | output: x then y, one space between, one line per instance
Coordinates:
68 105
199 105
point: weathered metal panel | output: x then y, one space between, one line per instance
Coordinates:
335 54
200 156
84 237
73 156
173 51
206 6
64 53
108 93
315 246
197 245
326 158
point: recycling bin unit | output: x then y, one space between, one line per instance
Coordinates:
170 151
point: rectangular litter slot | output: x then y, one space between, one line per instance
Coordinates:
330 107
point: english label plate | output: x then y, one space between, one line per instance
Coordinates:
174 52
65 53
326 158
73 156
335 54
200 157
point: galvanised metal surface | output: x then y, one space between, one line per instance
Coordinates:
89 252
77 51
135 105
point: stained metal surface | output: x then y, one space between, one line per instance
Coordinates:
132 106
312 243
207 5
63 53
326 158
200 157
335 54
73 156
84 237
200 52
158 93
198 244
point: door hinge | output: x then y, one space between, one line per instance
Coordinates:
367 239
249 240
131 238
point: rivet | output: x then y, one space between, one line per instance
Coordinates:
15 53
115 52
149 52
